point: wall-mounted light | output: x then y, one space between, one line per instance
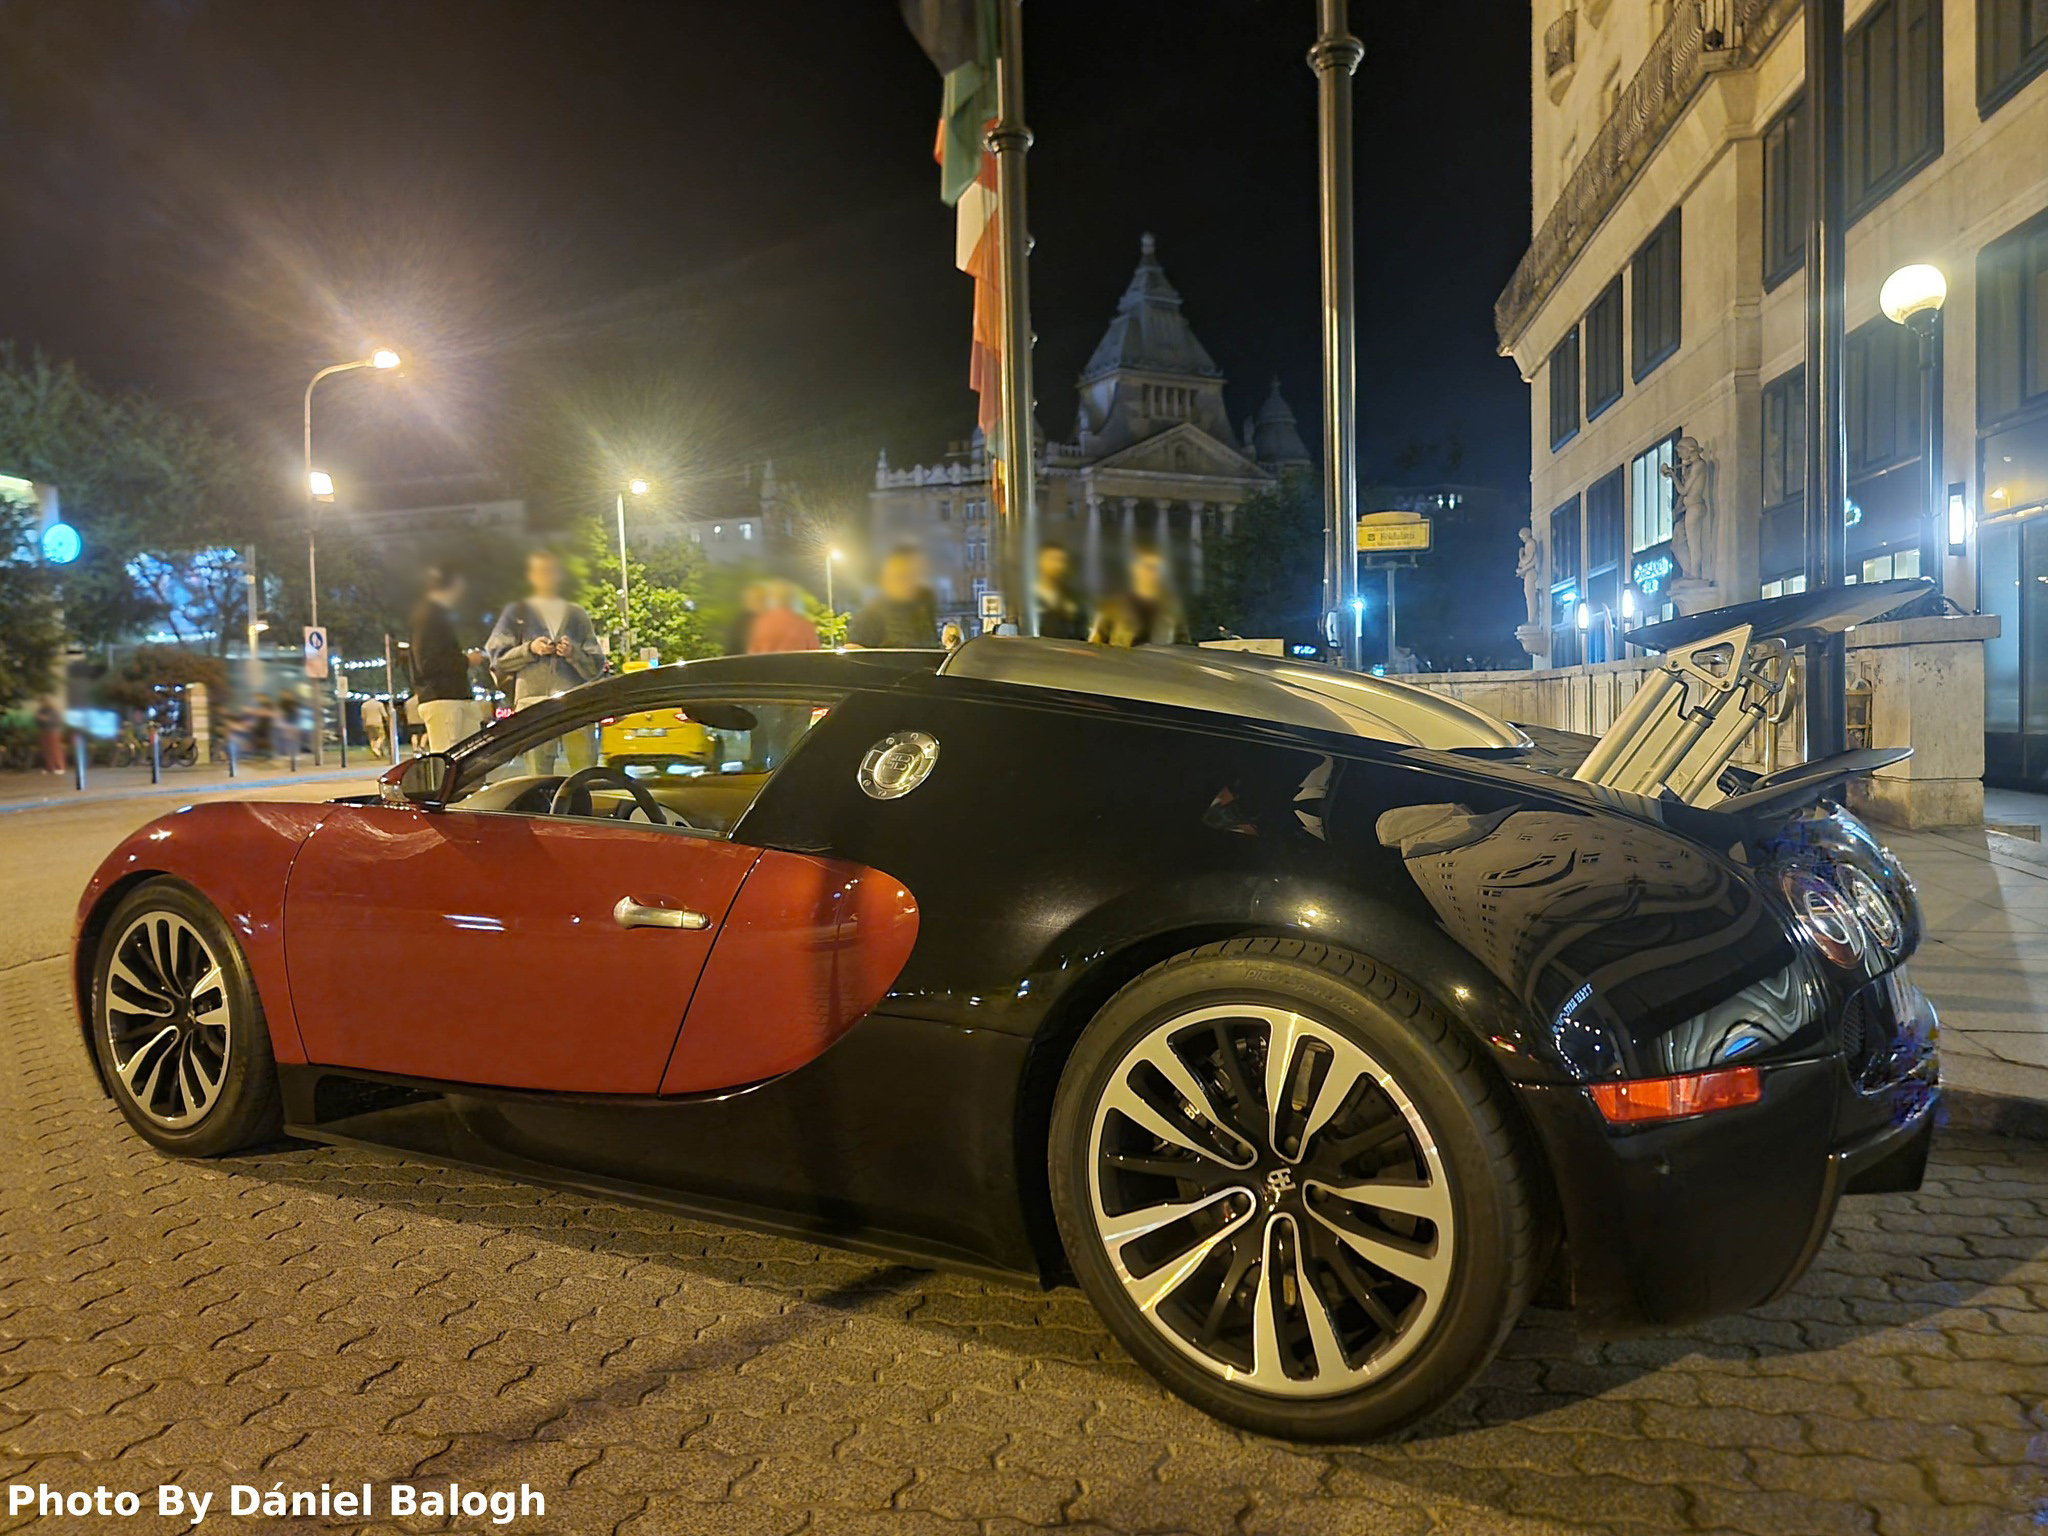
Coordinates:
1585 612
1958 518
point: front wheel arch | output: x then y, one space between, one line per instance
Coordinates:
85 955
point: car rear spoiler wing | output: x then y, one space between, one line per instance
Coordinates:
1720 675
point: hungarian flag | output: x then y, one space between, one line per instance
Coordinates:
959 37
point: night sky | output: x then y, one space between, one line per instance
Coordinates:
688 236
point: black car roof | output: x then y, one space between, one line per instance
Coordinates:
1225 683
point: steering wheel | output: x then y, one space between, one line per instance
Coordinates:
572 795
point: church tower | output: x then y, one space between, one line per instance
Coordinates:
1149 373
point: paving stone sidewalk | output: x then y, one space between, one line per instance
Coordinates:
310 1314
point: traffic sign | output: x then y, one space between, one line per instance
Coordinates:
1381 533
316 650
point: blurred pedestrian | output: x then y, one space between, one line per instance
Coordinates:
377 727
902 615
1059 612
284 725
740 637
1146 611
780 625
544 644
50 728
440 663
952 637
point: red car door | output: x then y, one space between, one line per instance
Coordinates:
541 952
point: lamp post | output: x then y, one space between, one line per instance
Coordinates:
1334 58
831 607
637 487
1912 297
382 359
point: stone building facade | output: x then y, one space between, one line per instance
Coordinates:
1152 460
1659 316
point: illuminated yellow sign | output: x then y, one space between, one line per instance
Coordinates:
1392 533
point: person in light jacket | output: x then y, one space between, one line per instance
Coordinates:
543 645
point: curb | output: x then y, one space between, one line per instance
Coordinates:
1999 1114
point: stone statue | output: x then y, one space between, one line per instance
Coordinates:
1529 566
1692 510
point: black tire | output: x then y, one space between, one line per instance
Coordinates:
243 1108
1432 1336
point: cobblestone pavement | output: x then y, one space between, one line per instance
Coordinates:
310 1314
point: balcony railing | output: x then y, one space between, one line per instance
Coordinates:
1700 37
1561 45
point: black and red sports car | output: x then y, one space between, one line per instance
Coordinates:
1309 1021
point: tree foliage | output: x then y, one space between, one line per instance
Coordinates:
29 632
141 483
1265 578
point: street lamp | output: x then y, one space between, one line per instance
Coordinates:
383 358
638 487
1912 297
832 558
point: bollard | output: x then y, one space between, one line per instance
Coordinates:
78 759
156 758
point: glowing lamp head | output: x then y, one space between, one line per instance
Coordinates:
637 486
383 357
1912 290
321 484
833 554
1585 617
1628 602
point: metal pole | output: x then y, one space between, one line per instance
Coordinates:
78 759
1827 451
156 755
392 720
312 562
625 625
829 607
1334 58
1934 543
1390 618
340 703
1009 139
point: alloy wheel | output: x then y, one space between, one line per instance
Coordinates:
1271 1200
166 1014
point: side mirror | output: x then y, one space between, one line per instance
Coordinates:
418 781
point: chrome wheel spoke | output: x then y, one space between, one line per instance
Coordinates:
1421 1267
1427 1199
147 1055
1328 1350
143 994
1156 1284
1128 1102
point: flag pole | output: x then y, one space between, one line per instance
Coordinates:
1008 140
1336 54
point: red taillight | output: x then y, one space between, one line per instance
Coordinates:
1668 1098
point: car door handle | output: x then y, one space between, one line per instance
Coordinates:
641 914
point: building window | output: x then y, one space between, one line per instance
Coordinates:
1564 390
1649 495
2012 325
945 511
1894 97
1654 277
1881 397
1603 561
2012 48
1603 350
1784 437
1564 583
1787 176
